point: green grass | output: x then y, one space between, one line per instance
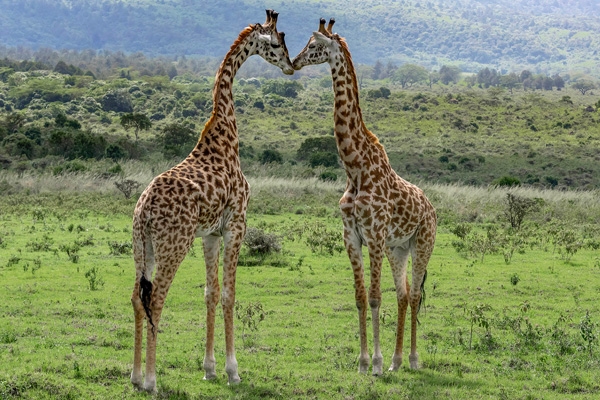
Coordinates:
59 339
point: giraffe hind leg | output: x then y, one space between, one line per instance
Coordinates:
398 258
421 256
138 310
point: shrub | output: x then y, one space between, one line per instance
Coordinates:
127 187
516 209
270 156
328 176
118 248
95 281
507 181
177 140
324 159
115 152
313 145
260 243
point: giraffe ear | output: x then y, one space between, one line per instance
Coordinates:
319 37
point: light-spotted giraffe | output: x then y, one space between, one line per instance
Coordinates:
379 209
205 195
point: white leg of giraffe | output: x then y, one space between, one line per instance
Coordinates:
232 243
398 257
212 247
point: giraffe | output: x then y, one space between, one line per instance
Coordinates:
205 195
380 210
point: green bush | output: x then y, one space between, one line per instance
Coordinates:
258 242
507 181
313 145
324 159
270 156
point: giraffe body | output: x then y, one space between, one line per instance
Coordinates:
380 210
205 195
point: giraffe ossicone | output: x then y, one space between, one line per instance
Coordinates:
205 195
380 210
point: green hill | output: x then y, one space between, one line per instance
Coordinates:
544 36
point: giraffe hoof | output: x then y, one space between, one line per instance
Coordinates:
414 361
209 377
234 381
137 381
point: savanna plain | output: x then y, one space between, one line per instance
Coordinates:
511 309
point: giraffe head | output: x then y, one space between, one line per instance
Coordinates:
320 47
271 44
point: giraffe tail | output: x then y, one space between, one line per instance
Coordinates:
146 297
422 301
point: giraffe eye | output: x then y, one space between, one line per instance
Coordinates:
275 46
312 46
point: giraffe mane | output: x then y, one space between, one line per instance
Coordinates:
370 135
216 92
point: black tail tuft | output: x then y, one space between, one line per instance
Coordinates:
422 301
146 297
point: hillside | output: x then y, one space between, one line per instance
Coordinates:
461 133
548 37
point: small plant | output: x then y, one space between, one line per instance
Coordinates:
588 329
250 316
260 243
127 187
461 230
514 279
477 317
323 240
13 260
72 251
95 281
118 248
43 244
37 264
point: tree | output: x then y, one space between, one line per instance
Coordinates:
177 140
270 156
434 77
315 145
362 71
559 82
408 74
449 74
583 86
135 121
282 87
377 70
510 81
487 77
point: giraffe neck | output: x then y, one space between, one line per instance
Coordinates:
358 147
220 132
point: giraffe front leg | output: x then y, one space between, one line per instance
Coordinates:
376 249
233 242
211 246
353 247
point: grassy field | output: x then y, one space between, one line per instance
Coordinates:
526 329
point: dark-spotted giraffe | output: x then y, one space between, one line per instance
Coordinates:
379 209
205 195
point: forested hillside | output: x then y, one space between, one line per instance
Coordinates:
559 36
479 129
